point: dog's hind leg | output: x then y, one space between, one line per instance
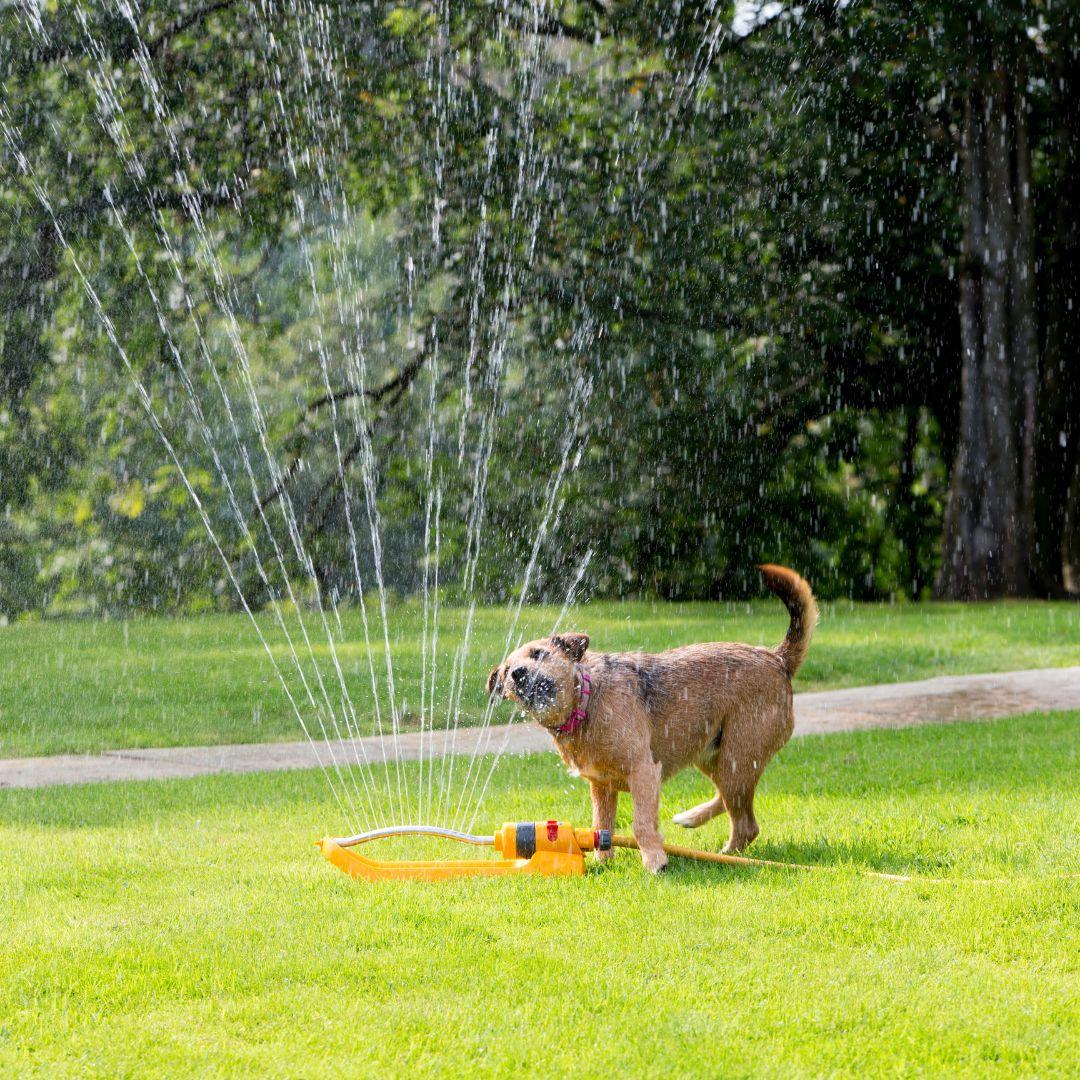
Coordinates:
706 811
739 798
746 747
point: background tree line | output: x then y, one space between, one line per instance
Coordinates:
795 282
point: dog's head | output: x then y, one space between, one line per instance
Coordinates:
541 677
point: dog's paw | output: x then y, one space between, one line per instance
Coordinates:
687 819
654 863
603 856
741 840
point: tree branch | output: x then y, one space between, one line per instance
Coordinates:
327 490
59 51
390 393
185 22
555 27
406 376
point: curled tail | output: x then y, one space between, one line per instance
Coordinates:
799 600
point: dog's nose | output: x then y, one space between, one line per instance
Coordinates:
519 674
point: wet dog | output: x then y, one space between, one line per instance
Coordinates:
628 721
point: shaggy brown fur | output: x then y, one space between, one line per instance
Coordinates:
722 707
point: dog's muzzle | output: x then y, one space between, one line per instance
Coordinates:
534 690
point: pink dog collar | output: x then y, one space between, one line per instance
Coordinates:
581 713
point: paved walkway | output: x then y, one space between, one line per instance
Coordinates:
890 705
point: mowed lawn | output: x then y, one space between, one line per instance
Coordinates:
189 928
87 686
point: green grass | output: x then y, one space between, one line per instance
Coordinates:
188 928
87 686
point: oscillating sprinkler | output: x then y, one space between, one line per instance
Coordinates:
551 848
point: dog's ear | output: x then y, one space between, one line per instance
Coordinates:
574 645
493 678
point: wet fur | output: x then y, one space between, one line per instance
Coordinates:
722 707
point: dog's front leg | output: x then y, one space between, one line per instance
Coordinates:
604 802
645 791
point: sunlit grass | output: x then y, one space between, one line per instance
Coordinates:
190 928
85 686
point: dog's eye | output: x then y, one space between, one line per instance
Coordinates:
537 654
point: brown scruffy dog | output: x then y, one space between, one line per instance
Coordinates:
628 721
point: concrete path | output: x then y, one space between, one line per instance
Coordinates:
890 705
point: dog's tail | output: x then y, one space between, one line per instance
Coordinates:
800 602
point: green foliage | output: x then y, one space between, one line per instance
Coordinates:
726 266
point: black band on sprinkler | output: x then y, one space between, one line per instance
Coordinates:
525 841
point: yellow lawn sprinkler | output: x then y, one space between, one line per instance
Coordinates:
552 848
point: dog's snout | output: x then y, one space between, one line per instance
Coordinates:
519 674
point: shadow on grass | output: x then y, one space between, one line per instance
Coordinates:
859 854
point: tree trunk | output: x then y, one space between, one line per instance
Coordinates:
1058 436
988 519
